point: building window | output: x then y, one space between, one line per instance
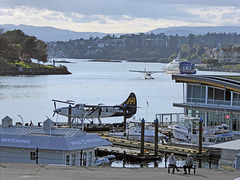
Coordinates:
236 99
73 159
67 160
196 93
32 155
90 158
219 96
84 159
210 95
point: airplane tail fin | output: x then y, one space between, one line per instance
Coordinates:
131 105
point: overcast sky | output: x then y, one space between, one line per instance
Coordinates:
120 16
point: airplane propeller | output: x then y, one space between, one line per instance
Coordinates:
55 107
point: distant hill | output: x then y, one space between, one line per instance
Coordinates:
50 33
186 30
53 34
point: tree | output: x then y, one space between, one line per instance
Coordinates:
200 51
41 54
12 52
29 47
210 61
3 46
15 44
185 50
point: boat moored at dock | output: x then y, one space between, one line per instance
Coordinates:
187 131
133 132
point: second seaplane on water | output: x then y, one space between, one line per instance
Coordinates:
84 111
147 74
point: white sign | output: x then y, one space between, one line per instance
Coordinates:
20 141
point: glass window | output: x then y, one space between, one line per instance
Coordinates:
84 159
210 93
228 96
90 158
67 159
196 91
73 159
219 94
32 156
189 93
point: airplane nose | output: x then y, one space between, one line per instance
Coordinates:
57 111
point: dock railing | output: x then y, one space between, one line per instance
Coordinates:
168 118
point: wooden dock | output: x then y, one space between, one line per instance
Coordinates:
133 148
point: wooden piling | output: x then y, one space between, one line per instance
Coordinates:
142 137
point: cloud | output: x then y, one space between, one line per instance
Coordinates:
123 16
218 15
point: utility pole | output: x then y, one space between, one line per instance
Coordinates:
125 117
156 137
37 150
200 135
69 115
142 137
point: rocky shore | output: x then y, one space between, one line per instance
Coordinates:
14 71
219 68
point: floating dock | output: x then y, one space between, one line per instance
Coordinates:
131 149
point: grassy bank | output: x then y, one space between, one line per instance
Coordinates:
25 68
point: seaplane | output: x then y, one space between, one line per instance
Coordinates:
84 111
147 74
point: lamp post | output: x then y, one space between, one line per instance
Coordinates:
200 135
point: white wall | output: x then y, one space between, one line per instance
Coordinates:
21 155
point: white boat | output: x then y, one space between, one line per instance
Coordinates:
133 132
178 66
187 131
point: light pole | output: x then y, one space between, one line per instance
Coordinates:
22 120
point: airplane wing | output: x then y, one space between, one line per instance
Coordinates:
145 71
155 72
67 102
137 71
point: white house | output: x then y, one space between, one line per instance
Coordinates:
47 144
228 149
230 152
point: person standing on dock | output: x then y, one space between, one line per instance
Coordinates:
189 164
172 162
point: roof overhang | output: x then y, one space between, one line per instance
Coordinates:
225 82
53 143
230 145
207 107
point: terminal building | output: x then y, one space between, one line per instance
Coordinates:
47 144
216 99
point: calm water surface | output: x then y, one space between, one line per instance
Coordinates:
109 83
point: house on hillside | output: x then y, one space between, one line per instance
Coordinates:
227 54
47 144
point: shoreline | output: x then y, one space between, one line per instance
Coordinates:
200 68
35 71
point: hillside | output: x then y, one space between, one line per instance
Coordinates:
48 34
51 34
186 30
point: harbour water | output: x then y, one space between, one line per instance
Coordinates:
109 83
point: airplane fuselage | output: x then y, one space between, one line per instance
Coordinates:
98 112
128 108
